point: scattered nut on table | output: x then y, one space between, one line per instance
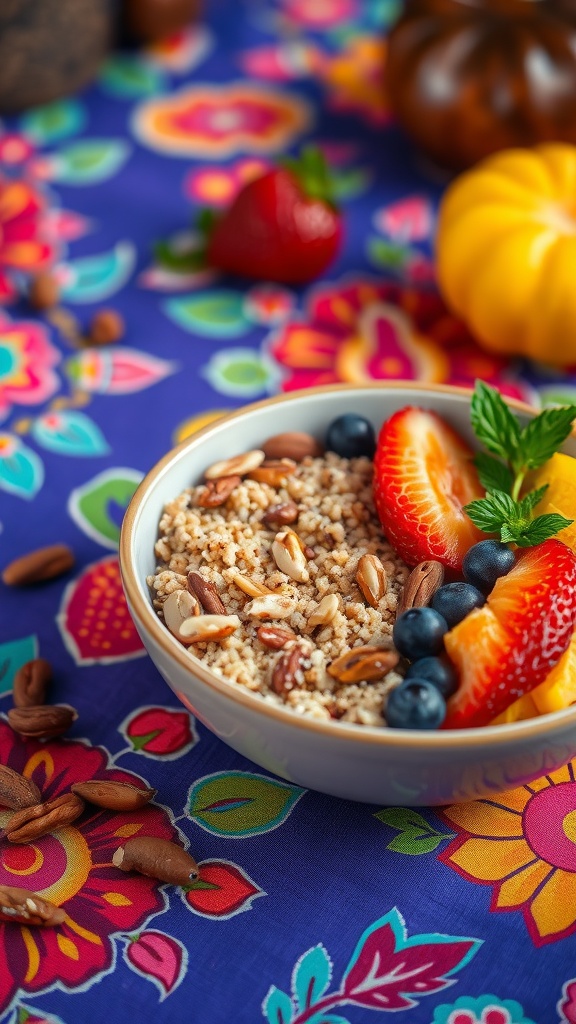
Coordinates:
157 858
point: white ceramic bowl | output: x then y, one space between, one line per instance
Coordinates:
376 765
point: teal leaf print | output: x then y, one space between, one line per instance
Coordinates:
128 77
93 278
311 976
89 161
215 314
69 433
98 506
328 1018
236 805
277 1007
13 655
416 836
242 373
54 122
21 469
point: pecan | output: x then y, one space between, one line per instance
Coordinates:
274 637
286 670
270 606
371 578
29 824
30 683
44 291
250 587
178 607
24 907
157 858
42 721
205 592
16 791
115 796
363 664
289 556
273 472
283 514
421 585
38 566
238 465
216 492
325 611
291 445
208 627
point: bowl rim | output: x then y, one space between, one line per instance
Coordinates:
438 739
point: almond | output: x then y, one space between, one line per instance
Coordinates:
208 627
363 664
114 796
38 566
27 825
31 682
42 721
157 858
205 592
371 578
292 445
178 607
421 585
217 492
21 906
16 791
282 515
239 465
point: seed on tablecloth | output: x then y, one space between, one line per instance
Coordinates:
157 858
114 796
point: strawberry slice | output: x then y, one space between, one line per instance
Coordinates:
509 646
423 475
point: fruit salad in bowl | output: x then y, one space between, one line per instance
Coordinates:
369 591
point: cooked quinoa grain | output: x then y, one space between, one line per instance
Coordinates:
336 525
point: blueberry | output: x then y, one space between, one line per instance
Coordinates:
415 704
350 436
485 562
438 671
419 632
455 600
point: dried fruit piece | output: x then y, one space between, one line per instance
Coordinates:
363 664
292 444
31 682
205 592
208 627
16 791
178 607
281 515
115 796
42 721
29 824
274 637
217 492
157 858
423 582
239 465
287 670
371 578
38 566
24 907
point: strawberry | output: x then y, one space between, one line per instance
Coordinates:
282 227
509 646
423 475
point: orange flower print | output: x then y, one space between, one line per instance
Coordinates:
523 844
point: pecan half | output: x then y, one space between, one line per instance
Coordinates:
281 515
238 465
115 796
287 669
421 585
274 637
325 611
178 607
292 444
208 627
216 492
38 566
16 791
42 721
27 825
363 664
206 593
31 682
273 472
157 858
371 578
24 907
289 557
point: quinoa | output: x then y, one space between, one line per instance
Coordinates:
337 523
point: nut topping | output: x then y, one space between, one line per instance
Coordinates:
38 566
282 514
292 445
31 682
115 796
208 627
29 824
274 637
273 472
24 907
270 606
289 556
178 607
371 578
216 492
287 669
157 858
239 465
421 585
16 791
250 587
206 594
42 721
325 611
363 664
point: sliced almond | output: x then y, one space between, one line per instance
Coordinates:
273 472
238 465
363 664
205 592
325 611
289 556
270 606
250 587
371 578
208 627
178 607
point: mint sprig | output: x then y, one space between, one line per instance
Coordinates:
514 451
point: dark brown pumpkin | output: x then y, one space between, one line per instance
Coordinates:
468 77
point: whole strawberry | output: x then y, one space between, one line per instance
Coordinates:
282 227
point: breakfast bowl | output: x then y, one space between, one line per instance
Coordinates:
364 762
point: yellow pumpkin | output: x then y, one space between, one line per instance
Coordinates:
506 252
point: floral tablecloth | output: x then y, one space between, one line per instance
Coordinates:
307 909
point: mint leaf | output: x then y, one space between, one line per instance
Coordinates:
493 475
484 515
530 500
540 529
544 435
493 422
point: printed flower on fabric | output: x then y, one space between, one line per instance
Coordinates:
320 15
359 331
567 1003
211 121
217 186
523 844
485 1010
160 732
25 246
27 361
72 868
354 79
